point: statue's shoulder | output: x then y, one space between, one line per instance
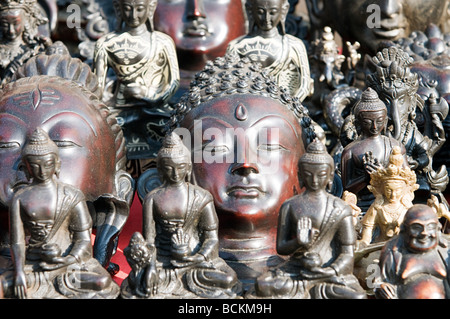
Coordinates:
201 192
341 206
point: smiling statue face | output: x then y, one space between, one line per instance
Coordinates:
370 22
11 24
41 167
201 29
247 158
85 141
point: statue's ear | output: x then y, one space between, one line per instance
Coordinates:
125 185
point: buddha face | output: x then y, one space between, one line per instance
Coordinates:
12 24
245 152
201 29
267 14
421 230
86 143
315 176
393 190
374 21
135 12
174 169
41 168
373 123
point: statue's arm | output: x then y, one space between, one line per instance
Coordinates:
346 236
351 182
210 244
17 242
286 244
100 63
81 232
368 224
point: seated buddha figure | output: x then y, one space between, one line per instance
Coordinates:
50 231
146 72
370 151
315 229
283 55
414 264
177 255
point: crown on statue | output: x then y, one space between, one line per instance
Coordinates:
28 5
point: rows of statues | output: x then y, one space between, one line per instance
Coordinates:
268 165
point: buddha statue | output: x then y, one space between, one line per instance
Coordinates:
92 149
283 55
50 231
316 232
371 149
20 38
146 73
246 135
177 255
414 264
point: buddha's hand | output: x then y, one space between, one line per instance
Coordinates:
370 163
135 91
150 281
386 291
306 234
20 285
58 262
180 244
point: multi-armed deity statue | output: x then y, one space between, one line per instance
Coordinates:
283 55
316 231
145 65
20 38
177 255
92 149
56 260
414 264
246 135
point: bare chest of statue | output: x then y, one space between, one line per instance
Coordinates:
170 206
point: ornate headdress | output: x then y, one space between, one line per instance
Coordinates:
39 143
392 72
393 171
27 5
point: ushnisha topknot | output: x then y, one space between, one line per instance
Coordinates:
316 153
173 147
369 102
39 144
232 74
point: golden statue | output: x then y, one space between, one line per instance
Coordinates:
393 187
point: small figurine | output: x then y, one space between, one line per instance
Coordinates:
393 187
414 264
370 151
145 64
92 149
180 228
316 230
283 55
56 260
246 135
20 38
